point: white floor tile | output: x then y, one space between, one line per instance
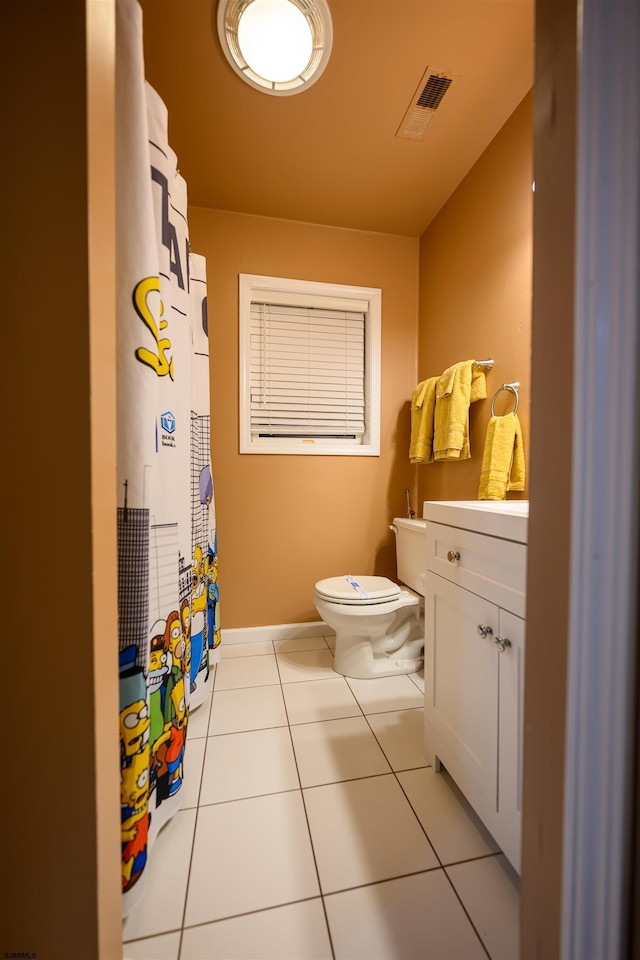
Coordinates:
250 854
401 736
246 672
253 888
257 649
297 646
489 889
306 665
454 830
249 764
363 831
315 700
295 932
335 750
164 947
413 917
167 869
199 720
251 708
386 693
193 762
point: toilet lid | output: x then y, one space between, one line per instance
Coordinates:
345 589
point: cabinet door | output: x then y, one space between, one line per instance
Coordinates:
511 679
461 679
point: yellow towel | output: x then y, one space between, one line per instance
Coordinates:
458 386
423 401
503 459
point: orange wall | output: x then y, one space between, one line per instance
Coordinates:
475 292
285 522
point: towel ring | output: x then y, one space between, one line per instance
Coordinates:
512 388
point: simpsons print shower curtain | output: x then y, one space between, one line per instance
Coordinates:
168 600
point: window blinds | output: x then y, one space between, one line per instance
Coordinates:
307 372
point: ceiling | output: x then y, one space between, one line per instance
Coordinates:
330 155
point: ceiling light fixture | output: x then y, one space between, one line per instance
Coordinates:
280 47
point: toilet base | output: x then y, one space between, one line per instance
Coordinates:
376 667
386 645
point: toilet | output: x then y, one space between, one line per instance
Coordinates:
379 625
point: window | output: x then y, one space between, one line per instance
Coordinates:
309 367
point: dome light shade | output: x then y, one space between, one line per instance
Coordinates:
277 46
275 39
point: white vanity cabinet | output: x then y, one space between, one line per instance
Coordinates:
474 655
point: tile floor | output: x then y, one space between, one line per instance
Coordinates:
314 828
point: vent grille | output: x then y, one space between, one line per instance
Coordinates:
434 91
425 101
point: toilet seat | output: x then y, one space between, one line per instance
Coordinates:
340 590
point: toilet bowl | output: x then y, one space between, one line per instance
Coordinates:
379 625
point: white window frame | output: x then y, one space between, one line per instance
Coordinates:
368 299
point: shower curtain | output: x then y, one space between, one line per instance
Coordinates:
168 596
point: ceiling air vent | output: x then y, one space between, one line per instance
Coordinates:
424 103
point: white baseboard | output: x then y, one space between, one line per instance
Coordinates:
280 631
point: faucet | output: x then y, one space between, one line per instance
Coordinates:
410 513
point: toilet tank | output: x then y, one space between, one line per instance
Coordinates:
411 551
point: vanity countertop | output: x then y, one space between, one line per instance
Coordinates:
507 519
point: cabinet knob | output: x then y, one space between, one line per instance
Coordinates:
484 631
502 643
453 556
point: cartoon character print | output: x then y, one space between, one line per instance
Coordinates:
213 600
134 805
198 618
177 729
174 642
157 676
159 669
134 729
134 766
185 620
176 704
205 485
134 713
167 675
